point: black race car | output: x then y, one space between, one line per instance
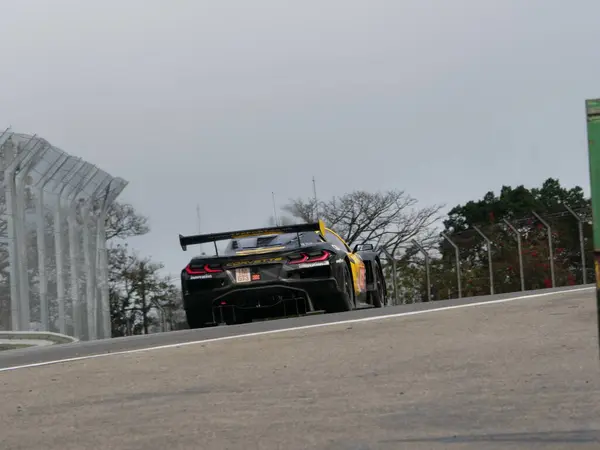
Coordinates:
277 272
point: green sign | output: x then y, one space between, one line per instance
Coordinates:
593 135
592 108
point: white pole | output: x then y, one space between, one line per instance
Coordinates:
199 225
41 239
74 251
89 289
111 194
58 243
275 218
14 226
90 266
60 280
102 268
11 229
198 218
22 233
316 207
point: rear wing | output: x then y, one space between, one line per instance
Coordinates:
197 239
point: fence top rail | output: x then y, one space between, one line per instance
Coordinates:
53 163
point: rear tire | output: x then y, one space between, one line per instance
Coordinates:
379 300
344 300
378 296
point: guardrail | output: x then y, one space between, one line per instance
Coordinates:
11 340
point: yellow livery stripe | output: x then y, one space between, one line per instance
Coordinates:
258 251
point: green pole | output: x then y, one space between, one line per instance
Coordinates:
592 108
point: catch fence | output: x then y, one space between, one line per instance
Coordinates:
53 259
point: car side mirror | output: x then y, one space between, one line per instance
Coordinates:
363 247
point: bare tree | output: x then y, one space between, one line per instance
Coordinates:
134 281
386 219
138 289
123 221
122 289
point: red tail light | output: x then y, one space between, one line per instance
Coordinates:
212 269
202 271
305 258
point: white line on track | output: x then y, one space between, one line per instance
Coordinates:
303 327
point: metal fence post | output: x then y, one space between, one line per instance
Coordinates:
74 250
394 274
581 241
21 179
489 252
519 250
31 151
102 275
12 225
427 273
550 249
113 190
163 317
90 263
61 295
89 288
41 238
457 254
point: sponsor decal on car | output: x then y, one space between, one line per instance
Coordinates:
200 277
258 232
257 251
248 262
315 264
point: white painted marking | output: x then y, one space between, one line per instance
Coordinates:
28 342
300 328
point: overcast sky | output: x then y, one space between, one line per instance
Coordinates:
219 103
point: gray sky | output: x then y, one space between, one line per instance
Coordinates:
221 102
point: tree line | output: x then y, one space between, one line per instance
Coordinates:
397 226
142 298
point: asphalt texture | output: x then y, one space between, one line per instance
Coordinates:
521 374
33 355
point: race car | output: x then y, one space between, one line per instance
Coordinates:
277 272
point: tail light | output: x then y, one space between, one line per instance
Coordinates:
203 270
306 258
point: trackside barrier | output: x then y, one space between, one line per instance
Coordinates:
10 340
53 255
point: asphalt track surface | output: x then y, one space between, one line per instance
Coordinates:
497 372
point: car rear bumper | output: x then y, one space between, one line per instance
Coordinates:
259 294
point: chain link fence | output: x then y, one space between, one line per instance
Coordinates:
53 260
533 252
